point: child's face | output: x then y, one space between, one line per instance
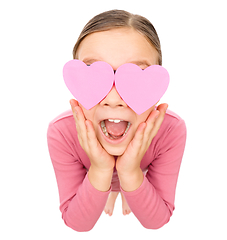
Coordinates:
116 47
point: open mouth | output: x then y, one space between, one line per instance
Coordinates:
115 129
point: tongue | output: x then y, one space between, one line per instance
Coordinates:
116 129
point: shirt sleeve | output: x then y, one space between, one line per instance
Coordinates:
80 203
153 202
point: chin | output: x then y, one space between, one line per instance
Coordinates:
115 151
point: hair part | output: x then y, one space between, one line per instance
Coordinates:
117 19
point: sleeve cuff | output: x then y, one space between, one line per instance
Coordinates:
93 190
138 191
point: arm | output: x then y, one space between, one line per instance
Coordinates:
81 203
153 202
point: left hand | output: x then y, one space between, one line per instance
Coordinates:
129 162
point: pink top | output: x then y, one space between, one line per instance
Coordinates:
152 203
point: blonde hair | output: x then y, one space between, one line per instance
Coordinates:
120 18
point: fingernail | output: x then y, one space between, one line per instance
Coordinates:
71 103
75 111
157 114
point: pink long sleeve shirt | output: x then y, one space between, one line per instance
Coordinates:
152 203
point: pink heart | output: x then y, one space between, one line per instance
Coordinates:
89 84
141 89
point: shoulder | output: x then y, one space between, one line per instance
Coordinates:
62 139
169 142
63 120
173 121
170 115
63 125
65 116
172 130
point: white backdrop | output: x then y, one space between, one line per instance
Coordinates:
37 38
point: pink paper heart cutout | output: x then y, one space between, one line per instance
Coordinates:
88 84
141 89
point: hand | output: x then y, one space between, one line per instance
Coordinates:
128 165
102 163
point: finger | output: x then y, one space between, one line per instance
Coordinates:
154 122
74 104
139 135
91 136
80 124
80 121
77 111
158 122
162 109
148 133
95 148
150 125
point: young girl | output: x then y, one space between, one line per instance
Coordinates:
143 164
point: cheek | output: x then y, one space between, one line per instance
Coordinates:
88 114
140 119
143 117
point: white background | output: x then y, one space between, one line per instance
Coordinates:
37 38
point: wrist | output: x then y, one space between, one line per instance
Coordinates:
100 179
130 181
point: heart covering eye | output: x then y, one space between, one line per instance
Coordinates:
88 84
140 89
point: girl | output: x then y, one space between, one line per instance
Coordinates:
143 164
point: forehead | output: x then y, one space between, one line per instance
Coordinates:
117 46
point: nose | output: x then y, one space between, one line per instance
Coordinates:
113 99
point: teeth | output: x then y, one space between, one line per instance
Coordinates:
114 120
103 126
127 128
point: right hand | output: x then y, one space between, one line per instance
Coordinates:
101 161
